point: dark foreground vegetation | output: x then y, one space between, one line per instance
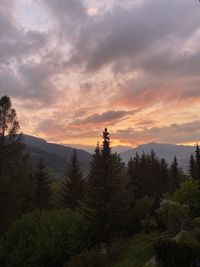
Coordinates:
143 214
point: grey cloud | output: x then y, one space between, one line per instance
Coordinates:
174 133
128 33
106 117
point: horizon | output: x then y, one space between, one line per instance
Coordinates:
119 149
75 67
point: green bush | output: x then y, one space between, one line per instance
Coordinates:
43 239
189 194
169 253
171 213
95 258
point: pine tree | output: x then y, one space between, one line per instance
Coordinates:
107 205
197 163
164 177
174 175
134 175
73 186
192 168
148 175
42 191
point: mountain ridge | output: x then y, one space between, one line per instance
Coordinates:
56 156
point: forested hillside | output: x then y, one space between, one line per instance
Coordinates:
145 213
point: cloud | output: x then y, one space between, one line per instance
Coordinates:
108 117
125 66
131 33
174 133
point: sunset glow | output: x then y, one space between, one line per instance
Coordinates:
75 67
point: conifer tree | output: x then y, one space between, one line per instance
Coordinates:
73 186
197 163
107 205
192 167
174 175
42 193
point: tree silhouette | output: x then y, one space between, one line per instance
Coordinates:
73 186
8 119
42 187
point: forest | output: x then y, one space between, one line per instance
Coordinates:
144 213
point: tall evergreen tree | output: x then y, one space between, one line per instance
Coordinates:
192 171
197 163
174 175
107 205
42 193
148 175
73 186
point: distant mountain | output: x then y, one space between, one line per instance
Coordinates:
166 151
55 156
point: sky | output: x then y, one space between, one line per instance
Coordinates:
74 67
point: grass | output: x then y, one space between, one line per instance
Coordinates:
138 251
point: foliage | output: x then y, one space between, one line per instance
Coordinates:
137 251
44 239
8 119
42 193
73 185
143 211
174 176
171 213
15 183
148 175
96 257
170 253
189 194
56 189
107 202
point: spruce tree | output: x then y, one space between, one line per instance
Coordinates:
73 186
174 175
107 204
192 168
197 163
42 191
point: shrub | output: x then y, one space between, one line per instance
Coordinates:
171 213
43 239
95 258
169 253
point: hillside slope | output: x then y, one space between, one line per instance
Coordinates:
55 156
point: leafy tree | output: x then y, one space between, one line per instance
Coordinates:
189 194
42 191
143 210
44 239
8 119
171 213
15 171
73 186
